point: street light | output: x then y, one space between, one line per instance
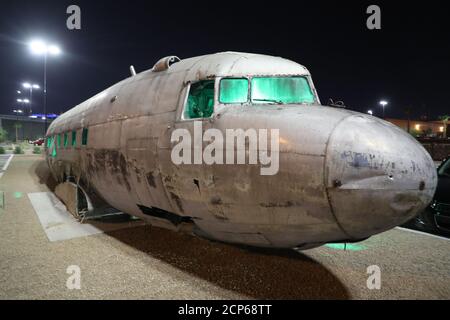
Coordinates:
383 103
30 86
26 101
54 50
40 47
370 112
27 85
17 112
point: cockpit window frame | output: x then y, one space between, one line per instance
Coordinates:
308 78
185 96
218 106
253 102
234 103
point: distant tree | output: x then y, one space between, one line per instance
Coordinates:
415 133
427 132
445 119
3 135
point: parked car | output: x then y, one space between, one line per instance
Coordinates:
38 142
436 218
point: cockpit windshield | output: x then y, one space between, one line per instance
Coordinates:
272 90
281 90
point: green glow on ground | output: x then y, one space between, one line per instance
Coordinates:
343 246
18 195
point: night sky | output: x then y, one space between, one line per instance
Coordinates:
406 63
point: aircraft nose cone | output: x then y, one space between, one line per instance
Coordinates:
378 176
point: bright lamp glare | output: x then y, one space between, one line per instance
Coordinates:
38 47
383 103
19 100
26 101
54 50
29 86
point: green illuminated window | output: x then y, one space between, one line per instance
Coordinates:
66 139
74 138
281 90
53 146
58 138
233 91
49 142
84 137
200 102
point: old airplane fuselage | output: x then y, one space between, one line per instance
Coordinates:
340 176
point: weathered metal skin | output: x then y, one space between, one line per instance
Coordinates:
343 176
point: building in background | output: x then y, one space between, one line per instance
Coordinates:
26 128
430 134
422 128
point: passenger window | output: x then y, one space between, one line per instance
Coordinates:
200 102
233 91
66 139
84 137
53 146
74 138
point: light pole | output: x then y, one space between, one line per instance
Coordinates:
39 47
17 112
31 86
383 103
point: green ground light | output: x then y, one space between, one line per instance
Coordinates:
18 195
345 246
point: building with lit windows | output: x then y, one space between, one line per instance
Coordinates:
421 128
